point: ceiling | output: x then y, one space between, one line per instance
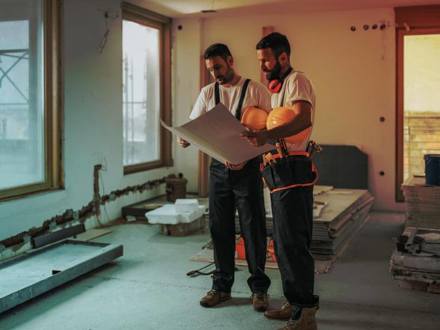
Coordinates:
179 8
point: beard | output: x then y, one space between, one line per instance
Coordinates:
227 77
274 73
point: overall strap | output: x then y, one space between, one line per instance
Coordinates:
242 96
216 93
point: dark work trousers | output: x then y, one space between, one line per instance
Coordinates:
229 191
292 211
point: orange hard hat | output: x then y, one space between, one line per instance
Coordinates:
254 118
280 116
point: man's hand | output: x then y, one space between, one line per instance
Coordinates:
256 138
235 167
183 143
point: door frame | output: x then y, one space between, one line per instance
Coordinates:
416 20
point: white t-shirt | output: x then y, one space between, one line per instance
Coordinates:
257 95
296 87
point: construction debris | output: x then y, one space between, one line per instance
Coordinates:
338 215
81 215
416 261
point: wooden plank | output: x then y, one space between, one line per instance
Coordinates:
93 233
56 236
415 262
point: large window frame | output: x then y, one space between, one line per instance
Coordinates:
163 24
414 20
53 178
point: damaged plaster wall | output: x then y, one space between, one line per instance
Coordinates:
92 122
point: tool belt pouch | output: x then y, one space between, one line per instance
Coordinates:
288 171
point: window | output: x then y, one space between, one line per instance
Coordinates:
421 106
418 80
146 89
29 92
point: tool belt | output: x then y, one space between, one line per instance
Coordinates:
294 170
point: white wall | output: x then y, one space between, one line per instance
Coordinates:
187 47
92 122
353 72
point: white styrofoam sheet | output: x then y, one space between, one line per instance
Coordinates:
168 215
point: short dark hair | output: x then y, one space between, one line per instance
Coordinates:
277 42
217 50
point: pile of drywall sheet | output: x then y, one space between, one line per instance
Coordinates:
416 261
337 215
345 211
318 207
422 203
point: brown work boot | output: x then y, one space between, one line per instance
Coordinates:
284 313
214 297
307 321
260 301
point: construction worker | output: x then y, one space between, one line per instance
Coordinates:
289 174
234 186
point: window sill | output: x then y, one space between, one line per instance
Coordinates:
131 169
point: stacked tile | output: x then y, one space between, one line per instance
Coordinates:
422 203
415 263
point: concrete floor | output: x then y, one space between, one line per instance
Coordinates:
147 289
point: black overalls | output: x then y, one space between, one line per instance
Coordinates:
242 190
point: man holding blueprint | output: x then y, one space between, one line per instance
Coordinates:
290 175
234 183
